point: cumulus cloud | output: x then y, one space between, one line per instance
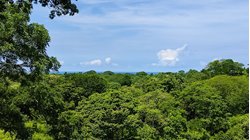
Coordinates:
108 60
169 57
99 62
96 62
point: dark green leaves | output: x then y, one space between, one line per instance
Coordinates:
59 7
23 46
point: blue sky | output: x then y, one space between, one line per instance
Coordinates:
147 35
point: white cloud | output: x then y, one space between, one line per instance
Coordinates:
96 62
148 13
108 60
169 57
99 62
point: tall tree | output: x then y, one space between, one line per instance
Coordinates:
224 66
23 44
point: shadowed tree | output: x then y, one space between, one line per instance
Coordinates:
23 45
58 7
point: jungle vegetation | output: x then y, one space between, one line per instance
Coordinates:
181 105
35 104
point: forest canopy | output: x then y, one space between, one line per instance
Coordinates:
36 104
167 105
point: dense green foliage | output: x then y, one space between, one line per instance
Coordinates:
23 45
224 66
193 105
183 105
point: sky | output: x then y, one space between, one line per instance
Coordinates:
147 35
